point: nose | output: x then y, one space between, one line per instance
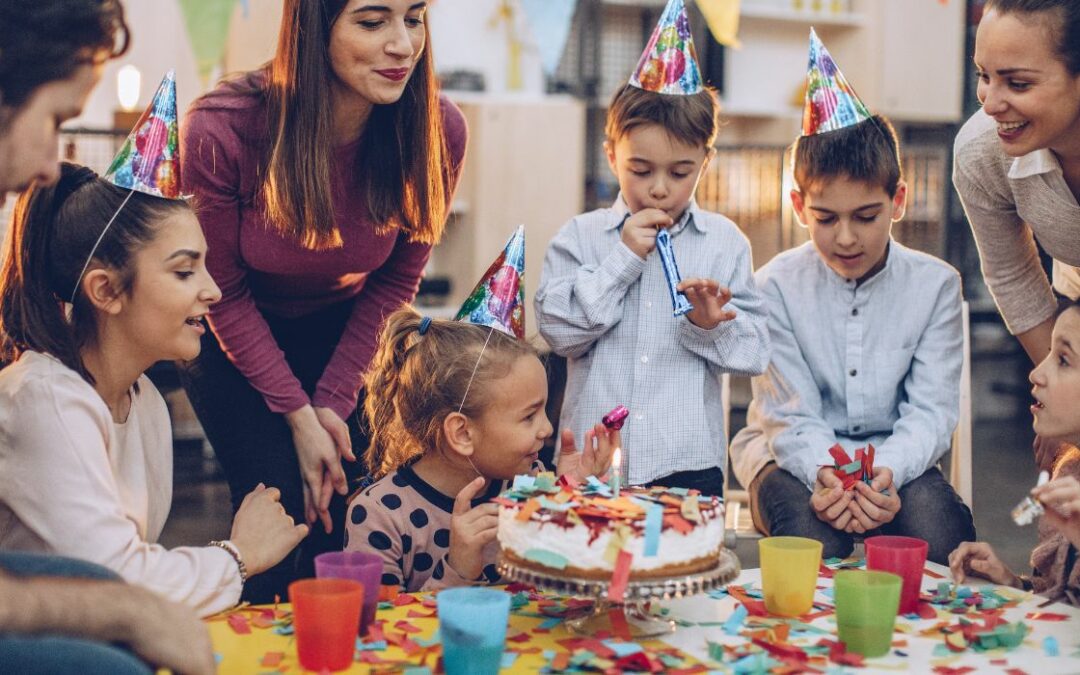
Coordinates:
547 430
210 292
400 44
658 189
1038 374
845 234
992 100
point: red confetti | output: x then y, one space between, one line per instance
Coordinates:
272 659
417 614
619 625
932 574
621 578
239 624
406 627
403 599
926 611
389 593
1046 616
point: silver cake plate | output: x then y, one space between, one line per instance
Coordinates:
636 601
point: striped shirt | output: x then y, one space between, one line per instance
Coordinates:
877 362
609 312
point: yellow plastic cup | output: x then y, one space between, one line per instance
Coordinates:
789 573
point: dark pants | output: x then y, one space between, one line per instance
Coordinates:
56 653
706 481
254 445
929 509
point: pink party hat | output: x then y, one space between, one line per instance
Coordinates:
669 63
498 300
149 160
831 103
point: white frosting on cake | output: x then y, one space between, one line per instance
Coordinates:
573 544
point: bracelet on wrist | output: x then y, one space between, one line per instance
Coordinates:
231 549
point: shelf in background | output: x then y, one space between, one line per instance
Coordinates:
751 13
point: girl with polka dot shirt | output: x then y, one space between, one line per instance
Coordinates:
451 420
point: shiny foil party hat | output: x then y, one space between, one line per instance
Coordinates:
498 300
149 160
831 103
669 63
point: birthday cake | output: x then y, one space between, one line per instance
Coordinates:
585 531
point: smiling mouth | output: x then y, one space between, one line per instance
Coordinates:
1010 128
394 74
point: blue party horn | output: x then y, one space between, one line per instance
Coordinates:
680 305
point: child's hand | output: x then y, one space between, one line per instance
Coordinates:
708 298
595 457
471 529
1061 497
870 509
830 500
639 230
978 559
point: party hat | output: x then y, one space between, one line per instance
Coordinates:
498 300
669 63
149 160
831 103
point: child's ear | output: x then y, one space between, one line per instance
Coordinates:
799 205
102 287
609 150
458 434
899 201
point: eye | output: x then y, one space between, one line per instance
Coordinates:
680 176
866 219
826 220
185 274
640 172
370 24
1062 361
1019 86
414 21
982 76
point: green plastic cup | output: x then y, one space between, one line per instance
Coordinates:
789 573
866 604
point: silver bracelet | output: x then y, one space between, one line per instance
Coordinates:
235 553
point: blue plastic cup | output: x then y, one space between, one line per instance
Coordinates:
472 624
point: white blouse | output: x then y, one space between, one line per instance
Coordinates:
75 483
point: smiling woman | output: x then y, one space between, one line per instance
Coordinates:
1017 161
323 180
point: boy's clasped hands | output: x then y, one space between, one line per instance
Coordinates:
862 508
707 296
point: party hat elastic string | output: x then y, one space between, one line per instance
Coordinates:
94 248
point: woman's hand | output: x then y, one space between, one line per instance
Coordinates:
595 456
978 559
471 529
1061 497
262 531
338 430
320 464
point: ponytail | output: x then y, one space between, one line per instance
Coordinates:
53 230
415 381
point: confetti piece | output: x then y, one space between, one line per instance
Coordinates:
1046 616
272 659
239 624
654 518
1050 646
619 625
735 622
546 558
621 577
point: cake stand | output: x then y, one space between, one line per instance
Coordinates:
635 603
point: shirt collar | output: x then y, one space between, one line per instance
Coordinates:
834 278
1034 163
691 215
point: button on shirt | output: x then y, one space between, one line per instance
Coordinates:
887 374
609 312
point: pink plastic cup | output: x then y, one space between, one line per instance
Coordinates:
365 568
903 556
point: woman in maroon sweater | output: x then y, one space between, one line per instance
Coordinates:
322 182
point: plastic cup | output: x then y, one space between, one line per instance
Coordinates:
903 556
472 625
326 613
866 605
789 572
365 568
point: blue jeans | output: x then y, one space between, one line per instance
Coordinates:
54 653
929 509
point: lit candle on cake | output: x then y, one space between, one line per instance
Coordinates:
616 471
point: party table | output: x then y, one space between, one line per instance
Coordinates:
722 631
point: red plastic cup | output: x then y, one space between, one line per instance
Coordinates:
326 615
903 556
365 568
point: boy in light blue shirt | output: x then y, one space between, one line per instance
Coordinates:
866 349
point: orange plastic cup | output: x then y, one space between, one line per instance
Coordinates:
789 572
326 616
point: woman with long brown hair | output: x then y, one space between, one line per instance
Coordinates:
321 180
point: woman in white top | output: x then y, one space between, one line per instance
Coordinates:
1017 161
85 439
